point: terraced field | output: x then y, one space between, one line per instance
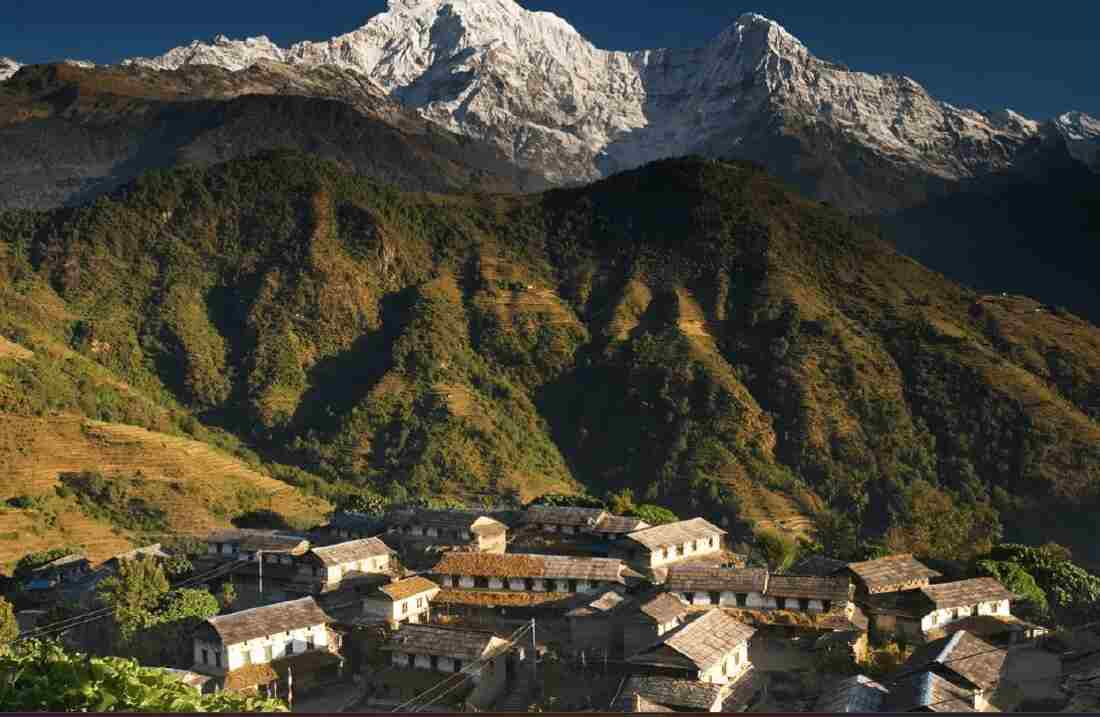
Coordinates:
197 486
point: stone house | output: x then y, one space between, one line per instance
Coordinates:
646 622
809 594
950 602
407 600
712 647
64 570
444 651
656 693
326 568
459 528
563 519
260 647
918 613
349 525
592 624
613 527
528 573
280 548
672 543
702 585
892 574
964 668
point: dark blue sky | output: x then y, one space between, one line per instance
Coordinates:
973 53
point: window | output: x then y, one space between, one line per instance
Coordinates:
205 656
290 647
404 607
458 665
803 604
309 642
420 602
711 542
217 658
433 661
742 599
827 604
715 598
781 603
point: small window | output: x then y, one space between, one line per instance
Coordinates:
781 603
309 642
458 665
715 598
217 658
205 656
290 647
803 604
404 607
742 599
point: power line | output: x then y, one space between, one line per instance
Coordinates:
100 613
464 674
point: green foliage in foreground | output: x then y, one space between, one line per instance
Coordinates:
1014 577
653 514
1072 592
42 677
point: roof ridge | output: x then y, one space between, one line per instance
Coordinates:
283 604
949 646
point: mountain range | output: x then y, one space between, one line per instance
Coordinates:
484 95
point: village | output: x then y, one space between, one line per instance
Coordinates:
576 609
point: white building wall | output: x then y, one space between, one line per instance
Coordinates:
465 581
517 584
496 583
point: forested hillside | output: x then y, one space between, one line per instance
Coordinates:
692 331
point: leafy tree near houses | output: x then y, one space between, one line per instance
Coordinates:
43 677
9 626
1014 577
134 593
621 503
778 551
653 514
1072 592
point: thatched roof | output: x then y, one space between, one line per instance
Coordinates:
565 516
443 642
521 565
407 588
351 552
619 525
269 541
705 641
854 694
268 620
892 573
502 598
928 691
678 533
838 589
706 578
672 692
664 608
967 592
962 654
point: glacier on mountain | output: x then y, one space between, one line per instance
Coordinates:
534 86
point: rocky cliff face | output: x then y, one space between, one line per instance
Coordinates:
531 84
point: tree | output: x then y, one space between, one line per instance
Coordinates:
776 549
653 514
43 677
1014 577
227 595
933 524
837 535
621 503
138 586
9 626
362 501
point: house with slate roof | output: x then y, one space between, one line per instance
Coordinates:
650 618
258 648
703 585
593 626
656 693
350 525
327 568
522 572
971 665
859 694
671 543
712 647
920 613
459 528
438 652
892 574
408 600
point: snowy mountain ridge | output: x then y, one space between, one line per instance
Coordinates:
534 86
8 67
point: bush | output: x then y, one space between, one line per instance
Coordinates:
653 514
777 550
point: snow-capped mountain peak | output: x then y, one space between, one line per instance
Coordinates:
8 67
1082 135
533 85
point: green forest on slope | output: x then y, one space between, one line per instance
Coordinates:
692 331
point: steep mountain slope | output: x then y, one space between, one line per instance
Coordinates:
691 330
532 85
69 133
